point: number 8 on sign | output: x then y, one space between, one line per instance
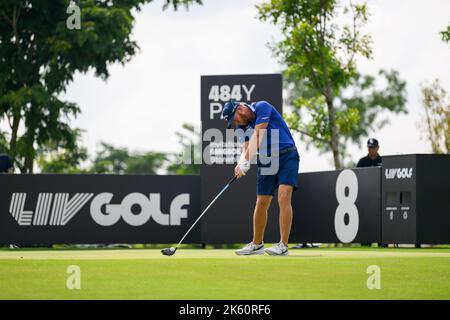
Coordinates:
346 194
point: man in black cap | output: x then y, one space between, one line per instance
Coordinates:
6 165
373 159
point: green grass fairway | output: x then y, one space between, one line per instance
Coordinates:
337 273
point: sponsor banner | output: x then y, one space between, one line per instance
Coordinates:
48 209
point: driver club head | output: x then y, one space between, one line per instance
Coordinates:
169 251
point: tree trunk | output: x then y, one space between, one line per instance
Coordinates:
16 116
334 136
13 140
29 157
29 147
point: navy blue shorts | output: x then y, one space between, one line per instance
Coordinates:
287 174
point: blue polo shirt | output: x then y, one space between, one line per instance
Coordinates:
266 113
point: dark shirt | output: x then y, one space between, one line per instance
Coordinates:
5 163
368 162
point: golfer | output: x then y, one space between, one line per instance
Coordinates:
266 122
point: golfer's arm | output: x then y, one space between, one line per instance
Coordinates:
251 147
244 150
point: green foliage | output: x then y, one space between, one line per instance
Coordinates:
3 142
63 159
110 159
371 101
436 104
361 107
315 48
148 163
121 161
188 162
332 102
177 3
446 34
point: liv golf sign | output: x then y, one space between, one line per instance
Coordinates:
64 209
49 209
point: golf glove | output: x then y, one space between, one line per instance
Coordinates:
244 165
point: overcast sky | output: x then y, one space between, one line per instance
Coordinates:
143 103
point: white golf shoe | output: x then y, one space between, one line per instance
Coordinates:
250 249
280 249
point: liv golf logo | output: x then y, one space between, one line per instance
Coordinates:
56 209
62 210
399 173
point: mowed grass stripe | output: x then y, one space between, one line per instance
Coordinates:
190 276
219 253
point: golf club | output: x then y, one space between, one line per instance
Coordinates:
171 251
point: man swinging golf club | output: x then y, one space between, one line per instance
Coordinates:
265 121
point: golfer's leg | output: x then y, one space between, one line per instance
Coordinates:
260 217
284 201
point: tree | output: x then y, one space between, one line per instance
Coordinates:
3 142
359 106
63 159
188 162
110 159
332 101
148 163
436 104
39 56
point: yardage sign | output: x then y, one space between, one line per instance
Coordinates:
217 90
230 220
220 94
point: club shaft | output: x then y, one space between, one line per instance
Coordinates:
204 211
